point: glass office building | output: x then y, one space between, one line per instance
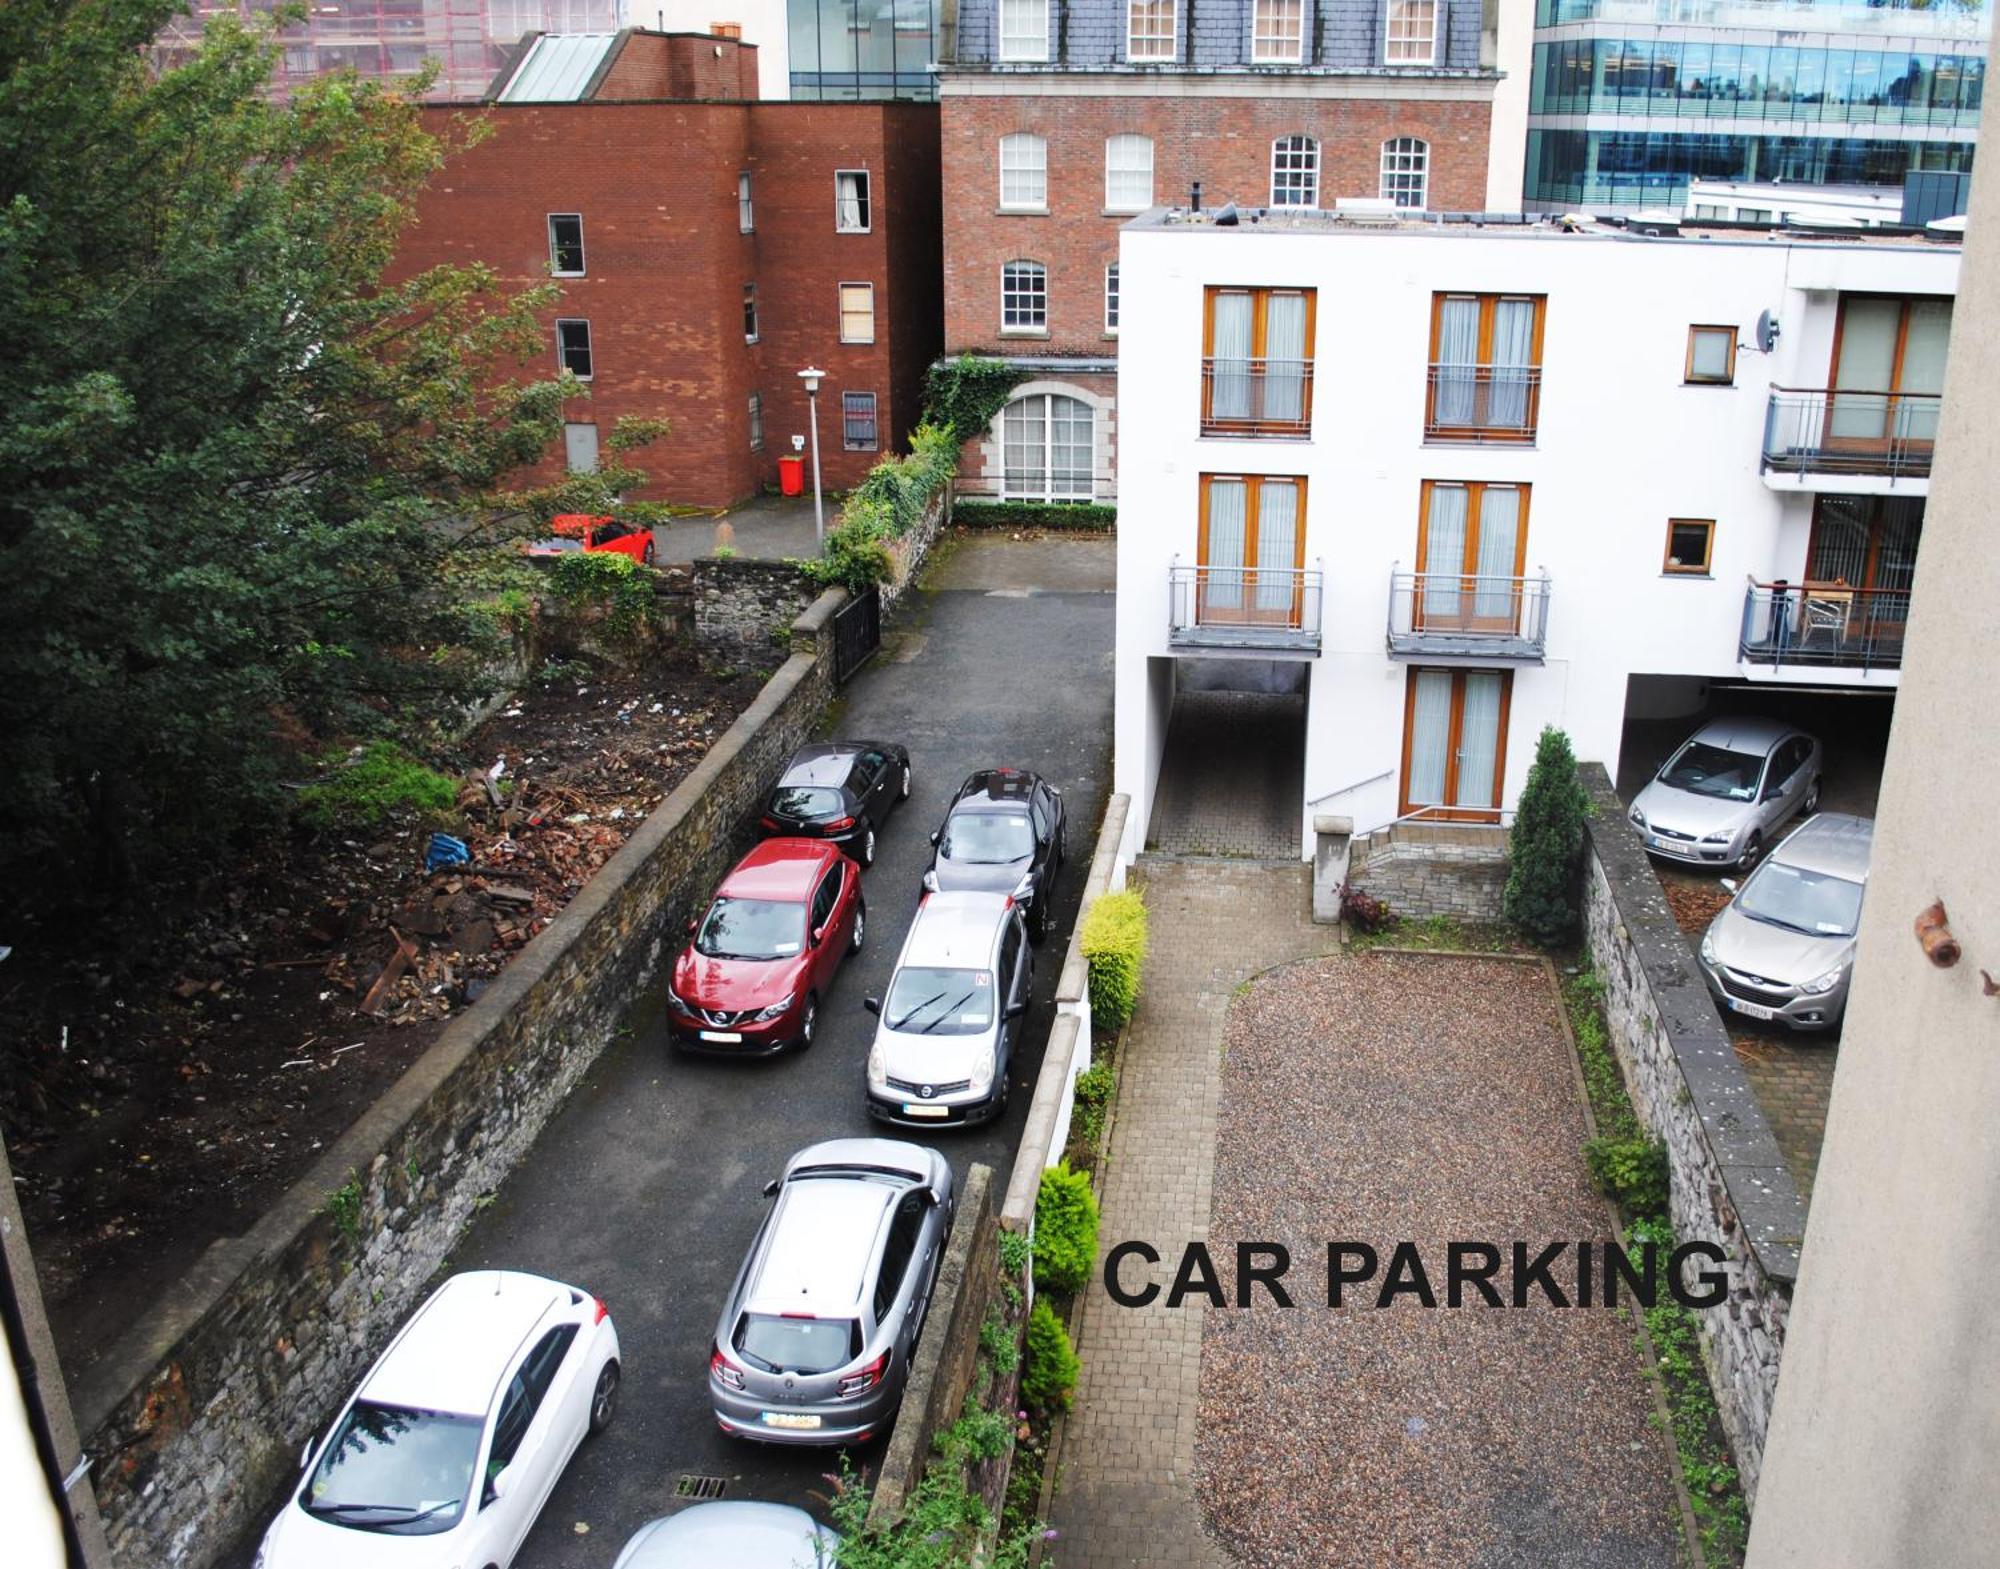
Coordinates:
1632 99
848 49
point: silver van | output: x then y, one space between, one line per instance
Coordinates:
945 1045
815 1339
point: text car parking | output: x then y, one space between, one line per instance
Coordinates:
840 791
767 949
1783 948
945 1046
1002 833
1727 790
814 1342
446 1453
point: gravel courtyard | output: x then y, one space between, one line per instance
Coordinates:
1383 1097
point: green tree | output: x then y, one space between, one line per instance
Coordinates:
1545 849
245 468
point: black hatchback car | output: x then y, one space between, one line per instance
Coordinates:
1003 833
840 791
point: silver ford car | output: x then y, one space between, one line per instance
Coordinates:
1783 948
1725 793
815 1339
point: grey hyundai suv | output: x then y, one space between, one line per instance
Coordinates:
815 1340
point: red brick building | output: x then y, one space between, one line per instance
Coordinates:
1064 118
709 246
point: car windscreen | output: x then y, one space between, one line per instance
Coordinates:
803 803
556 545
1712 770
797 1345
1816 903
389 1468
924 1001
986 838
751 929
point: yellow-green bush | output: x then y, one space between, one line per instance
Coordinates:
1114 948
1065 1229
1048 1375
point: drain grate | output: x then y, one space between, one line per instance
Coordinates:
693 1486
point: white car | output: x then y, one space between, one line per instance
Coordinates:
741 1535
446 1453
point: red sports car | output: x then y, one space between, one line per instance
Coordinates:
764 955
579 531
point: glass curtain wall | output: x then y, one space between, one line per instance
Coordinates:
855 49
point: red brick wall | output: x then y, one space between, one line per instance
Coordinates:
656 185
1223 142
685 66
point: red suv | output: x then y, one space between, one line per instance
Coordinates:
766 951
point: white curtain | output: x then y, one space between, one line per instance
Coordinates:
1285 357
1513 352
1277 546
1867 368
1499 539
1229 397
1458 352
1430 737
1923 369
848 190
1479 740
1222 582
1024 450
1444 555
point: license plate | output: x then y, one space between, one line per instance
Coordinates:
915 1110
796 1420
723 1037
1754 1010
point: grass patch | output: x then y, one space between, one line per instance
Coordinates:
384 781
1443 933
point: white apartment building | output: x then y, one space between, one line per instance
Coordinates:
1452 482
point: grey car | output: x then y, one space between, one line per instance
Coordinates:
1727 790
815 1340
741 1534
1783 948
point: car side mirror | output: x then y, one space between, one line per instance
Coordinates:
1729 885
818 935
872 1004
503 1479
771 1188
935 836
1016 1009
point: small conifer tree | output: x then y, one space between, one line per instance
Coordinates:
1545 849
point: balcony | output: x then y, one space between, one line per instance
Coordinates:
1483 403
1823 626
1462 616
1823 431
1251 610
1256 397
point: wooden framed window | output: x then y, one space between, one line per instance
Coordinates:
1024 173
1485 367
1455 742
746 218
566 244
1111 300
1024 29
1257 361
1149 30
857 313
749 313
1410 36
1024 298
1128 173
1048 448
1711 356
1295 172
857 421
1690 546
1251 550
1277 31
1887 371
1472 550
850 201
1406 167
573 352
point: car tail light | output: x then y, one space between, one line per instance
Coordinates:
769 822
719 1366
839 825
599 1312
860 1383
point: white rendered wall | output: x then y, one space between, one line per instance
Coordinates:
1507 143
763 23
1623 446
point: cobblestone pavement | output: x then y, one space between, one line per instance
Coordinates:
1127 1476
1231 781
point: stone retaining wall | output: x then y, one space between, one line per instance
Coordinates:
1731 1185
742 610
197 1415
1422 869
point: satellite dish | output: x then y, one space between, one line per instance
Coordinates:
1767 331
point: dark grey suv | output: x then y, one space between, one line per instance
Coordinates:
814 1342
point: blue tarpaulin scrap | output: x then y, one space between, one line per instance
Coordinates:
445 851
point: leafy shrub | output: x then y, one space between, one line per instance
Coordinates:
897 491
1015 1250
617 584
1631 1170
1091 516
978 1434
1363 911
1065 1230
384 781
943 1525
963 395
1094 1087
1113 940
852 556
996 1343
1048 1376
1545 849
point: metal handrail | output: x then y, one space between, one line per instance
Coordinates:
1272 599
1258 396
1466 402
1896 434
1822 624
1503 816
1475 607
1387 773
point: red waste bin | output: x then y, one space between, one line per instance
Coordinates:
791 474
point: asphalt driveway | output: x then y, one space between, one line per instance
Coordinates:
645 1187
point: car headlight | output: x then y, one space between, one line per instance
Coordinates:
1724 837
1638 819
982 1076
677 1002
1708 947
1820 985
878 1070
930 881
766 1015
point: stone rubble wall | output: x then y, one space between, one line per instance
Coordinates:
1423 869
1730 1183
197 1416
743 610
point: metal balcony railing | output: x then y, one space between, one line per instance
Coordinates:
1256 397
1822 430
1468 616
1483 402
1273 609
1827 625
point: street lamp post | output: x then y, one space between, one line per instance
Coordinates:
812 380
